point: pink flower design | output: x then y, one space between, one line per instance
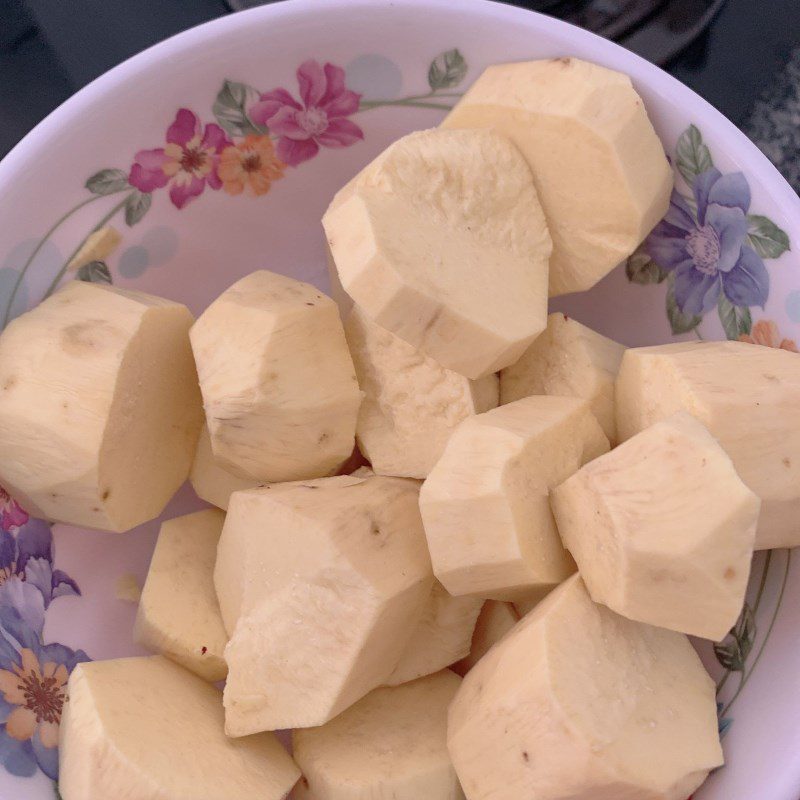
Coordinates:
320 120
12 515
187 162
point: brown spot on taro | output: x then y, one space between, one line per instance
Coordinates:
323 437
787 462
65 405
729 574
565 60
525 757
106 494
203 650
90 336
309 304
304 781
10 382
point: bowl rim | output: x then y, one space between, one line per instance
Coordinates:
657 80
751 160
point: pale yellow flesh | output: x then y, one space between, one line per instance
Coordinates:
442 637
749 399
578 703
99 406
485 504
146 729
210 481
322 585
496 619
279 389
568 360
442 241
411 403
389 746
662 529
599 167
178 614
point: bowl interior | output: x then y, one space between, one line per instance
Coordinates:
358 75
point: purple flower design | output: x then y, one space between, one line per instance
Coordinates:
28 556
707 249
33 680
188 162
321 118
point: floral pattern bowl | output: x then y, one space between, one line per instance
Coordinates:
216 153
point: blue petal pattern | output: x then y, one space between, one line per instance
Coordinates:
708 249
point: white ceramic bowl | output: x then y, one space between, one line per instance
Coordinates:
409 60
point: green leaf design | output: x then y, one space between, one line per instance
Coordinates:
230 109
692 156
136 206
679 322
733 650
447 70
641 269
107 181
94 272
765 237
736 320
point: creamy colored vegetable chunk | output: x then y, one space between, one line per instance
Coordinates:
662 529
749 399
322 584
391 744
442 637
578 703
178 611
485 504
442 241
279 389
568 360
99 407
496 619
210 481
599 167
411 403
147 729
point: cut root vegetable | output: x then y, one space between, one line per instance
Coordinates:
99 406
210 481
178 612
279 389
391 744
568 360
411 403
578 703
442 241
599 167
749 399
147 728
486 505
324 582
494 622
442 637
662 529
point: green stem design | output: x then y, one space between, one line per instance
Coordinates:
368 106
36 250
413 101
761 586
746 677
110 215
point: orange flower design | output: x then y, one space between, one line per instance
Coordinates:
765 332
250 165
38 692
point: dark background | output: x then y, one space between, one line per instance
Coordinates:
50 48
